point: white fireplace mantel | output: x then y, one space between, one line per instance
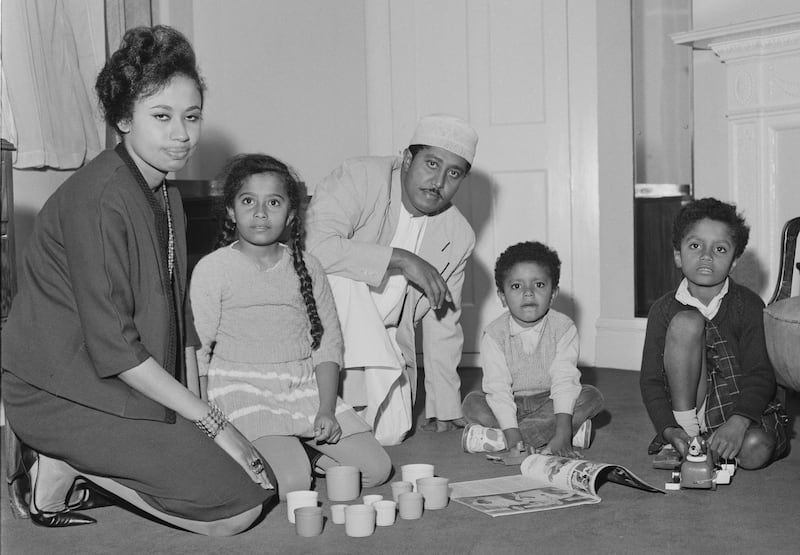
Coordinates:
758 33
761 61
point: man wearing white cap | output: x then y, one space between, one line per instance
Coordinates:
395 250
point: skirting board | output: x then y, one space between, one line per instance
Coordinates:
619 343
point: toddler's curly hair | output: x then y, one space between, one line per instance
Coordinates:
528 251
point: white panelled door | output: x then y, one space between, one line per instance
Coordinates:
502 65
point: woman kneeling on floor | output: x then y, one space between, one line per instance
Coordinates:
99 368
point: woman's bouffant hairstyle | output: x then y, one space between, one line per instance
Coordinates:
230 181
528 251
712 209
146 61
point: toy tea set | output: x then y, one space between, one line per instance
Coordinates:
418 489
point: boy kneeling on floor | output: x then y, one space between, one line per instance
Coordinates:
532 395
705 369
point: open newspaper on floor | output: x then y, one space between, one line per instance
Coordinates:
546 482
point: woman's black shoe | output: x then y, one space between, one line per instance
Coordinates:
16 475
88 497
61 519
313 457
56 519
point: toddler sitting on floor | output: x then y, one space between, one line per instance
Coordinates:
532 396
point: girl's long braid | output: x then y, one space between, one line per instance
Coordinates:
306 285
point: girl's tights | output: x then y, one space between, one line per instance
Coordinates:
292 469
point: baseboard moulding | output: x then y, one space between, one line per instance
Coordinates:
620 342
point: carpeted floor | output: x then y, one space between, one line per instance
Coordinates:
758 513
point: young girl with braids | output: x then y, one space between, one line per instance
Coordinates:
271 346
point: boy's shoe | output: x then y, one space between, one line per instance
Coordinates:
656 445
667 458
480 439
583 437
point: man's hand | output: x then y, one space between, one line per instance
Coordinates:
422 274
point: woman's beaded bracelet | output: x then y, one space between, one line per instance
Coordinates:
212 423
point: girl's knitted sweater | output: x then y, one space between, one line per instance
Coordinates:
251 315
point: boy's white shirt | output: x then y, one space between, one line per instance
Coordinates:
565 386
684 296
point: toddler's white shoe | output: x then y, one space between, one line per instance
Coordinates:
480 439
583 437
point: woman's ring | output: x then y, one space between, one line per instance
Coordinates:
257 466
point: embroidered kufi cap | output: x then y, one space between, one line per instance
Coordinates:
447 132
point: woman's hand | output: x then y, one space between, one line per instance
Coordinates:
242 451
150 379
326 428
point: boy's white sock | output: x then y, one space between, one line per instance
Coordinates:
687 419
701 412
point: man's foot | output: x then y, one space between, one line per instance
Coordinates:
436 425
313 458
